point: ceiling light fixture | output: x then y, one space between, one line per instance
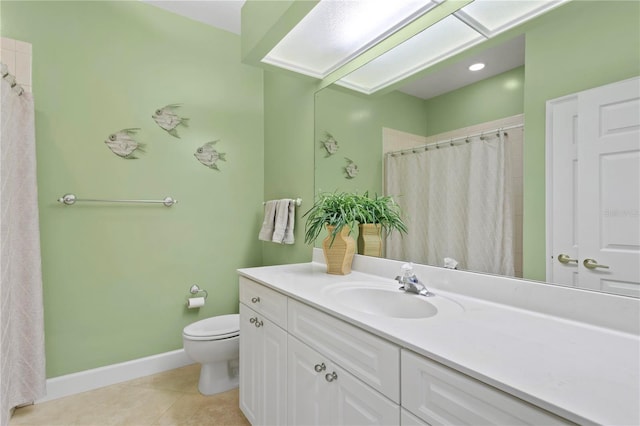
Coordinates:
476 67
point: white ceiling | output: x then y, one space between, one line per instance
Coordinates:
225 14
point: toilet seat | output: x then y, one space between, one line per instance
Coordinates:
214 328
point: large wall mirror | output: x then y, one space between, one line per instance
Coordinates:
449 108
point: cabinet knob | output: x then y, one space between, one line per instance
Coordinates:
320 367
258 323
252 320
330 377
255 299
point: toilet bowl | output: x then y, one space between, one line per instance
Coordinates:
214 343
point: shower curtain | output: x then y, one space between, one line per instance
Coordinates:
22 362
457 203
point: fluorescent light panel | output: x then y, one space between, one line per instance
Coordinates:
337 31
436 43
469 26
497 16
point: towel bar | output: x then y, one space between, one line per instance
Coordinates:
298 201
70 199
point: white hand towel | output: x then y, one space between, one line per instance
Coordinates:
282 217
268 224
288 232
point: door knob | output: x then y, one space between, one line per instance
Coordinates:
565 258
593 264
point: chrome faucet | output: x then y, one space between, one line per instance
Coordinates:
411 283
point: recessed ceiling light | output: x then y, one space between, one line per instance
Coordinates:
476 67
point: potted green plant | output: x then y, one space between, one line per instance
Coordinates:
338 213
374 215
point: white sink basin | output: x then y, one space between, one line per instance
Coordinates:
386 300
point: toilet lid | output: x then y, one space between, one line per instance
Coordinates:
220 327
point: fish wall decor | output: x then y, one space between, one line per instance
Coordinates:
330 144
123 144
208 155
351 169
168 120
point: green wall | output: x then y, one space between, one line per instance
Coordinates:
582 45
116 277
356 122
288 167
487 100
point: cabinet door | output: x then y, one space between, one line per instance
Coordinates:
263 364
274 374
322 393
309 403
250 367
408 419
357 403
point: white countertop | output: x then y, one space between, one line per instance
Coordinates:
582 372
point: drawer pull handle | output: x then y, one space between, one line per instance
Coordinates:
258 324
255 299
330 377
320 367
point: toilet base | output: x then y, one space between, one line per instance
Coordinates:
218 377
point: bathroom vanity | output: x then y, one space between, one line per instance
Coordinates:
326 349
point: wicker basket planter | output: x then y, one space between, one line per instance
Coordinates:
370 239
339 254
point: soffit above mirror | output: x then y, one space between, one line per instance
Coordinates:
334 33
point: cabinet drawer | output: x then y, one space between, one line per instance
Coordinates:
443 396
265 301
371 359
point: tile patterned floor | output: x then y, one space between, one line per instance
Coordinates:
170 398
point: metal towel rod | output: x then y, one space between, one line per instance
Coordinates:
297 201
70 199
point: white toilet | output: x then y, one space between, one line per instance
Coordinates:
214 343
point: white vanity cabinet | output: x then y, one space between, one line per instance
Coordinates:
263 354
440 395
300 365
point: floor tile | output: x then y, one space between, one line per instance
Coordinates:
169 398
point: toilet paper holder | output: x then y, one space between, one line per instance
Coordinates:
195 289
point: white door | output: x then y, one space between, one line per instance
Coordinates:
595 178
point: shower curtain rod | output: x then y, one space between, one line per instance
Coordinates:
450 142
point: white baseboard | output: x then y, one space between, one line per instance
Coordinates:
70 384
